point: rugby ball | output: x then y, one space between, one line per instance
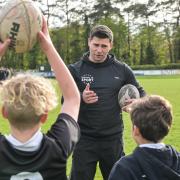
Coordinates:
128 91
20 20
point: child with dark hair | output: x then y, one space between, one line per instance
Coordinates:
153 160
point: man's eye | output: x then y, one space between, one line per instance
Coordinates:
103 46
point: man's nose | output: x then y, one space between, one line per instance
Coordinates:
99 49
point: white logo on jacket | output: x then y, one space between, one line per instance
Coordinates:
27 176
87 78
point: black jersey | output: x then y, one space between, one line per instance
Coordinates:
46 163
103 118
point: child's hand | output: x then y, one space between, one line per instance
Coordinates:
44 37
3 47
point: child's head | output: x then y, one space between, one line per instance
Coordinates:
25 99
152 115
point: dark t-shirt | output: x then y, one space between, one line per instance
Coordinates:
46 163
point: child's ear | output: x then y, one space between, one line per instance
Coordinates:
43 118
136 131
4 112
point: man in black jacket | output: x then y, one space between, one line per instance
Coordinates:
151 120
99 76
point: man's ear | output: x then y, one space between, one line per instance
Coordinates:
89 40
43 118
111 45
4 112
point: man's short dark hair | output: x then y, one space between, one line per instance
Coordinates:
101 31
153 116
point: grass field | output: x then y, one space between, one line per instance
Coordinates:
167 86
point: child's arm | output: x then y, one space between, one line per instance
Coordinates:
68 87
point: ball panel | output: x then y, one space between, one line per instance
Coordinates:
35 18
128 91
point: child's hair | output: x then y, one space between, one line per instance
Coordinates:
25 98
153 116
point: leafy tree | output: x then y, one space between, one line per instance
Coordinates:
142 58
170 8
176 43
151 56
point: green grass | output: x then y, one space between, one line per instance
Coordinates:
167 86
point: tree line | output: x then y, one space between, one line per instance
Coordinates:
144 33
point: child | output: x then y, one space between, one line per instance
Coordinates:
151 120
26 153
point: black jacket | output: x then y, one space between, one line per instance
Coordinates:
148 164
103 118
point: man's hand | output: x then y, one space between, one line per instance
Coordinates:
128 104
4 47
89 96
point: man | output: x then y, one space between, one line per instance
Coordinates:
151 120
99 76
26 153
